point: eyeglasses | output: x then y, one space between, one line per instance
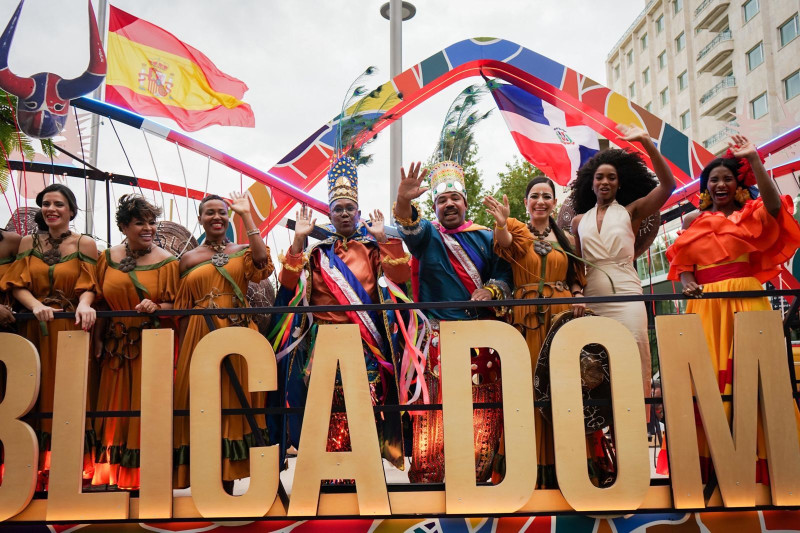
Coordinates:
349 209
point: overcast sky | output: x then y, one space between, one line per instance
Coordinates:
298 57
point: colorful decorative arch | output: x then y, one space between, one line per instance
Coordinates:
291 179
562 87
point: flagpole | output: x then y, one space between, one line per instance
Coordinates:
94 139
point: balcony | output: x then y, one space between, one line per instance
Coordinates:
711 143
717 100
716 52
708 11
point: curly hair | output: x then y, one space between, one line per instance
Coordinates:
65 192
635 180
135 206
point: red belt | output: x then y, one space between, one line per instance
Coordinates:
722 272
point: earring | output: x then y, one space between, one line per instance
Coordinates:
705 199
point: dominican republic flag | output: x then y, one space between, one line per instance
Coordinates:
552 140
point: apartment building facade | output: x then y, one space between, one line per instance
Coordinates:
710 67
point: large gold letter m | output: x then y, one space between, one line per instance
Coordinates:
760 367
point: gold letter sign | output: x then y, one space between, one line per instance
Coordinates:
340 344
65 500
205 428
760 355
633 470
462 494
20 446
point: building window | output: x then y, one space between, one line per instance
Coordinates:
791 85
755 56
616 71
788 30
683 81
632 90
665 97
680 42
750 9
643 40
758 107
662 60
677 5
646 76
686 120
649 107
629 57
660 24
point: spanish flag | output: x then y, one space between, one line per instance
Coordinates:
153 73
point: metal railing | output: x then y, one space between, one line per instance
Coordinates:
722 36
702 6
727 131
727 81
284 411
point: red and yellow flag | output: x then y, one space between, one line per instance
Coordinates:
153 73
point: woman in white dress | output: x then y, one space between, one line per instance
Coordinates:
612 194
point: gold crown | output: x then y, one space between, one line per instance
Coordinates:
343 180
447 176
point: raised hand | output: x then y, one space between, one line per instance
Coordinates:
376 226
239 203
741 147
411 185
304 224
500 212
632 133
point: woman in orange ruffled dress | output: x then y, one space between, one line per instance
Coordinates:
733 243
138 276
215 275
54 271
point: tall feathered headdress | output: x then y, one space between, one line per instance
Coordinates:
455 141
354 130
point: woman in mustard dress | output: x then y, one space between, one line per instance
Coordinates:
215 275
9 246
135 275
54 271
733 243
542 259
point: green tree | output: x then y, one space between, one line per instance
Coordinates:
12 140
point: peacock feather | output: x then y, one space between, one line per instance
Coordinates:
457 135
361 110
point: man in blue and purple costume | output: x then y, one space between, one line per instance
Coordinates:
452 261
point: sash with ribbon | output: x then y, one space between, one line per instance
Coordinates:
466 262
348 290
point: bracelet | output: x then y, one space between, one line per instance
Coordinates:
393 261
407 222
501 228
254 231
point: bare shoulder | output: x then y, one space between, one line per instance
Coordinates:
10 244
688 219
117 252
160 254
87 246
25 244
575 223
193 258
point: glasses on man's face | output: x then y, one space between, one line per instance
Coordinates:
339 210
